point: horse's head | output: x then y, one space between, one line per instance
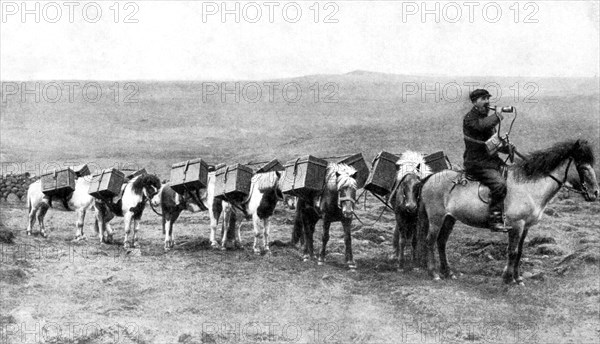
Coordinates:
407 194
147 185
346 187
586 181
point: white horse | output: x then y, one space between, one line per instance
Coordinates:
38 204
130 206
172 204
260 204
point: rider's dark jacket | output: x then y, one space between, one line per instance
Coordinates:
481 127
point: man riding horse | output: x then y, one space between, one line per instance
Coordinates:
479 127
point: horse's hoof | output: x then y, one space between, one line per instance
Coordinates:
167 249
305 258
257 252
268 252
43 234
320 263
29 233
436 277
222 248
352 266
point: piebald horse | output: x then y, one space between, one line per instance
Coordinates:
404 199
336 203
260 205
531 184
38 204
130 206
172 204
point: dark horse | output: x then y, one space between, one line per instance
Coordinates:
531 183
336 203
405 200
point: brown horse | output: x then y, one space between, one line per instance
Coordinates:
336 203
531 184
405 201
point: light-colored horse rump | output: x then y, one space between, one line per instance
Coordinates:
260 205
38 204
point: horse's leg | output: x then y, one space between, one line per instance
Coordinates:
107 228
266 231
225 226
518 277
170 228
40 217
257 232
79 222
32 216
136 229
514 239
401 246
396 239
324 241
430 240
127 219
309 228
442 239
348 243
214 215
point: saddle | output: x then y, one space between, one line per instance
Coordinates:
483 192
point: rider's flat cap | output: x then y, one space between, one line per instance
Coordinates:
478 93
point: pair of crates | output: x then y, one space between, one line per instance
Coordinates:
108 183
231 182
304 177
383 175
61 182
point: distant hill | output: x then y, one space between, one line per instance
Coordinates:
359 111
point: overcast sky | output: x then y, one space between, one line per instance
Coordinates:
189 40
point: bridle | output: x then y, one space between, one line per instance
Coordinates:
562 184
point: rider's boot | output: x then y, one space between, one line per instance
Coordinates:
497 224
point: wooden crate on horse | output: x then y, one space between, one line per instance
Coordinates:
189 175
383 174
59 183
438 161
106 184
233 182
273 165
358 162
304 176
137 173
81 170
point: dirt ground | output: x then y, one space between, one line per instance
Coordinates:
54 290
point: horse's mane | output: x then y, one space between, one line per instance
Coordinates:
344 179
540 163
265 181
412 162
146 180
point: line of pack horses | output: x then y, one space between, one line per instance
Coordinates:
423 202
